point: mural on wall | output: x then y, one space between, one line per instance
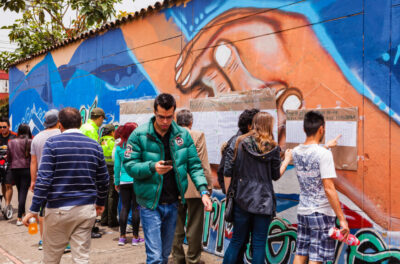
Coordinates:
282 234
313 53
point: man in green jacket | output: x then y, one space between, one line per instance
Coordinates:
159 155
91 127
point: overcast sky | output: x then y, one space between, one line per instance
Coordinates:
8 18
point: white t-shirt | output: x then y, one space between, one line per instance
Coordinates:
313 163
39 140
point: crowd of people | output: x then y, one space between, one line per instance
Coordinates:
157 175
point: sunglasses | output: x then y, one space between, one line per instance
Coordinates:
3 127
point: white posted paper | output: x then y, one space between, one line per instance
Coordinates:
295 132
348 130
219 127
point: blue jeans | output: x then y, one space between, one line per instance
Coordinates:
159 229
243 221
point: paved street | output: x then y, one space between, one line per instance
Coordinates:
17 246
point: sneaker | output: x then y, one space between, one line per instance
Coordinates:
8 212
129 228
137 241
40 245
67 249
122 241
19 223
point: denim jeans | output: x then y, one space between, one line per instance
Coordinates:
243 221
159 229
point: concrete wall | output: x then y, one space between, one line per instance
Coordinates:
315 53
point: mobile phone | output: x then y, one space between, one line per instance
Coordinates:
167 163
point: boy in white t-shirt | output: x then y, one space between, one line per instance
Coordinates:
319 203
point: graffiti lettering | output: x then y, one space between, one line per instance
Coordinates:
281 242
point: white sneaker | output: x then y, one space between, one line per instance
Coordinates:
19 223
8 212
129 228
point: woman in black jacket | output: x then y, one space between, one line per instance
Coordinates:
256 163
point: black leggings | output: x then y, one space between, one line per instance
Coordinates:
128 199
22 178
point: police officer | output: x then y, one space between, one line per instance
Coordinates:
107 142
91 127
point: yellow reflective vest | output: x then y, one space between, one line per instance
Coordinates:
107 143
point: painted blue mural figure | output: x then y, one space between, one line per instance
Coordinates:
102 68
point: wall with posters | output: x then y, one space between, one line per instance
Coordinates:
313 53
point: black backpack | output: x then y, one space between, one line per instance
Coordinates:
220 171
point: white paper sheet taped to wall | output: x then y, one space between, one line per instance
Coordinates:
348 130
218 117
338 121
294 131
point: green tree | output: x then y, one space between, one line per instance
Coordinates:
43 23
12 5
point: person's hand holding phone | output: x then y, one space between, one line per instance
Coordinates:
163 167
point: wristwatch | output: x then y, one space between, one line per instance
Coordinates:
205 192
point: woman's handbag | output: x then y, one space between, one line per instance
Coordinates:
229 205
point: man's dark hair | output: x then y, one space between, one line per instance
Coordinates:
70 117
312 122
246 119
165 100
5 120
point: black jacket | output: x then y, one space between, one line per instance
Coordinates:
253 174
226 163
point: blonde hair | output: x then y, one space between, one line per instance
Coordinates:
261 131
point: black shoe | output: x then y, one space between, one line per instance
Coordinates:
95 229
96 235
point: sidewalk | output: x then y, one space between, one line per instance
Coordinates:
17 246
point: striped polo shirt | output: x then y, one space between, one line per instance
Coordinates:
72 172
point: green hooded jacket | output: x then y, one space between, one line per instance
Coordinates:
144 149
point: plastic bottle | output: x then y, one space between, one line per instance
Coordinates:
32 227
336 234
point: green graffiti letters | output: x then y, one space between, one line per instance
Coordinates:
372 249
